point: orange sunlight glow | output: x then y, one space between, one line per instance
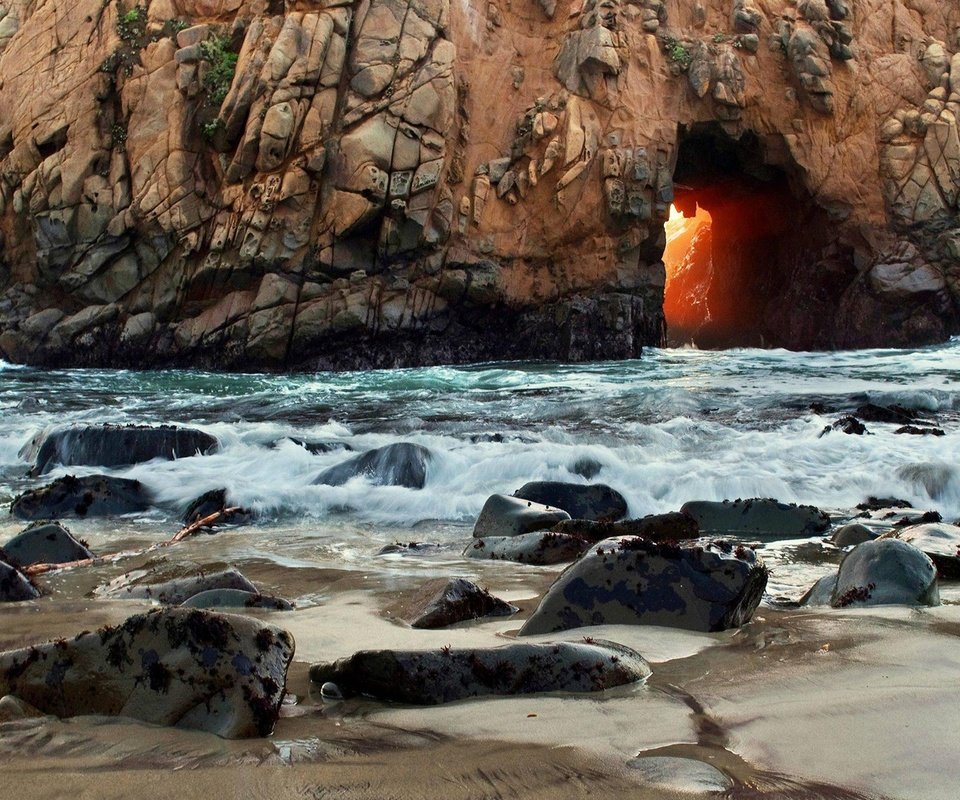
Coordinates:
680 231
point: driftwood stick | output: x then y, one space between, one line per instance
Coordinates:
205 522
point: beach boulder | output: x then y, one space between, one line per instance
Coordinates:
401 464
441 603
757 518
596 501
430 677
503 515
671 527
175 591
852 533
213 502
940 541
116 445
180 667
236 598
633 581
90 496
15 586
545 547
44 543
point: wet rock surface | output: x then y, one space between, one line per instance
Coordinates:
235 598
401 464
629 580
430 677
503 515
184 667
548 547
761 518
213 502
14 585
595 502
940 542
89 496
115 445
441 603
44 543
673 526
176 590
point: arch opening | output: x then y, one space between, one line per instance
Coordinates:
740 247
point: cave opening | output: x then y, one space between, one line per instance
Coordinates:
741 229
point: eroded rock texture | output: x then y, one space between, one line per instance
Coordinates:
254 183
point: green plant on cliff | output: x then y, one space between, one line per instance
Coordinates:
132 24
678 53
221 66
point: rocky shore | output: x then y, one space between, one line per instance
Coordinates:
607 614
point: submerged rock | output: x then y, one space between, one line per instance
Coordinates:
429 677
179 667
879 572
761 518
401 464
848 425
236 598
440 603
176 590
683 775
636 582
44 543
933 477
669 527
852 534
503 515
529 548
595 502
210 503
940 541
15 586
316 447
117 445
90 496
897 415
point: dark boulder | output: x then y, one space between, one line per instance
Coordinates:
848 425
178 667
45 543
896 415
15 586
401 464
503 515
758 518
445 602
90 496
878 503
636 582
670 527
539 547
852 534
940 541
586 467
236 598
176 590
429 677
595 502
118 445
213 502
408 548
317 447
914 430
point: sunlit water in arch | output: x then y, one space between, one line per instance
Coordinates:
673 426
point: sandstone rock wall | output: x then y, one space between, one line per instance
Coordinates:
266 184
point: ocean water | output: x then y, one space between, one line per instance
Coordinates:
673 426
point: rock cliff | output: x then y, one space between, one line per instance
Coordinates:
268 184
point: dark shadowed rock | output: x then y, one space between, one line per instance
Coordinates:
118 445
444 602
586 467
212 502
529 548
762 518
316 447
401 464
15 586
176 590
429 677
636 582
44 543
180 667
852 534
896 415
503 515
940 541
592 501
408 548
671 527
91 496
877 503
905 520
236 598
848 425
914 430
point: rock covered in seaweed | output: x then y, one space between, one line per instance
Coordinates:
90 496
430 677
757 517
633 581
180 667
503 515
539 547
670 527
595 501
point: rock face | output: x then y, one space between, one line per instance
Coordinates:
115 446
90 496
49 543
635 582
430 677
502 515
401 464
757 518
594 502
363 184
193 669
